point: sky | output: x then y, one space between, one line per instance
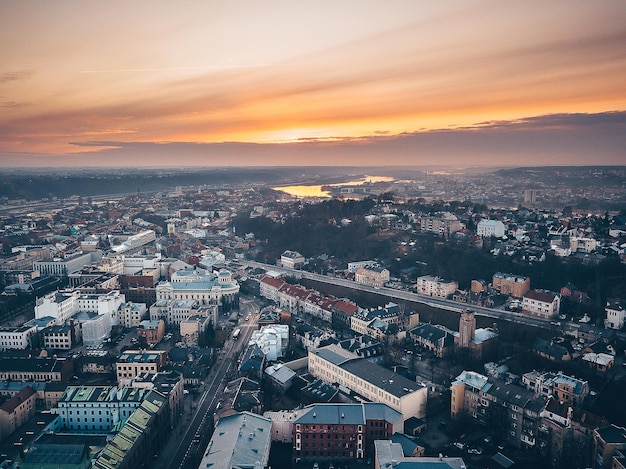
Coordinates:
292 83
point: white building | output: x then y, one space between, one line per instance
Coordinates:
62 305
579 244
488 228
95 328
272 340
131 314
291 260
17 338
62 267
615 314
544 304
135 241
436 286
96 409
217 289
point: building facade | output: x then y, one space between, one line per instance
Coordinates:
436 286
336 433
541 303
372 382
510 284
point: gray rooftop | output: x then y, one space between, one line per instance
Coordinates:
382 378
239 441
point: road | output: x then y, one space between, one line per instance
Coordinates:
192 437
410 296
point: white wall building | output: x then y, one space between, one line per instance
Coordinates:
615 314
488 228
436 286
96 329
541 303
272 340
17 338
131 314
96 409
218 289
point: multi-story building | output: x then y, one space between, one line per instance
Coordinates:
442 223
388 454
95 328
606 442
131 314
169 384
152 331
544 304
206 289
507 409
17 338
62 305
510 284
133 362
585 245
239 440
135 241
354 266
342 432
615 314
372 382
272 340
374 322
291 260
269 286
488 228
433 337
571 433
173 311
374 275
97 409
34 369
57 337
436 286
193 328
70 264
566 389
16 411
141 438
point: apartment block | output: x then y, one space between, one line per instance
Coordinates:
133 362
510 284
342 432
372 382
540 303
436 286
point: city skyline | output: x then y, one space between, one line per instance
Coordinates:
476 83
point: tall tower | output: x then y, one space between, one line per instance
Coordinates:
467 328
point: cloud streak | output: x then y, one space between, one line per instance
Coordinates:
573 139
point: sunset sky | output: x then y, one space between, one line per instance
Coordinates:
227 83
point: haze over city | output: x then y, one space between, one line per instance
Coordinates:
327 83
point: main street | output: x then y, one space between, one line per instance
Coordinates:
191 437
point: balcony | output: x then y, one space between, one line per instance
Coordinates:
528 440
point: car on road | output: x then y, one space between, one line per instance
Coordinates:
475 451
